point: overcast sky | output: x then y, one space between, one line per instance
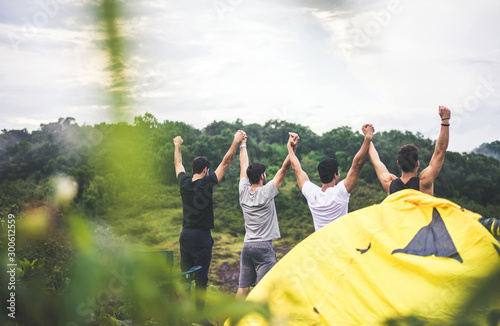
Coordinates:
320 63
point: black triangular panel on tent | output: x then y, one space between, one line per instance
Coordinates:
433 239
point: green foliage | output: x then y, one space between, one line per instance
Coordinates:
28 269
50 259
127 186
124 171
109 284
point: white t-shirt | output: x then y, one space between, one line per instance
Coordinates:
326 206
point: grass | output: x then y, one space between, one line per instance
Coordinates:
158 228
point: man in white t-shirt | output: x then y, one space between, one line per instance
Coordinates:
330 201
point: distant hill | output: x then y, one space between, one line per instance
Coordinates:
489 149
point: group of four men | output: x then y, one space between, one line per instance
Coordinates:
256 196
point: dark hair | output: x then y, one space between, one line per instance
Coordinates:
408 157
327 169
254 171
199 164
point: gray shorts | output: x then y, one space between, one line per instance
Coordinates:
257 258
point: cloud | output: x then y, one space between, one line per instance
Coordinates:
28 122
418 57
320 63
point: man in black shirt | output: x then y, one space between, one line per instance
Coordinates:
424 182
409 163
198 214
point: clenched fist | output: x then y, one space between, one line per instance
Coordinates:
178 141
444 113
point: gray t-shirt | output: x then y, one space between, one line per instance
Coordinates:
259 211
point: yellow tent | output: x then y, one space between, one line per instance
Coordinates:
411 255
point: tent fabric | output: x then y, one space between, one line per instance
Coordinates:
432 239
347 273
362 251
490 223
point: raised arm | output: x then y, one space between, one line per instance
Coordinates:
243 159
430 173
294 161
178 156
360 158
281 174
383 174
228 158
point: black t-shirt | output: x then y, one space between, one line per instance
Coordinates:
197 201
397 184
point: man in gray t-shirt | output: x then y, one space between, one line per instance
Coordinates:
261 222
259 211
